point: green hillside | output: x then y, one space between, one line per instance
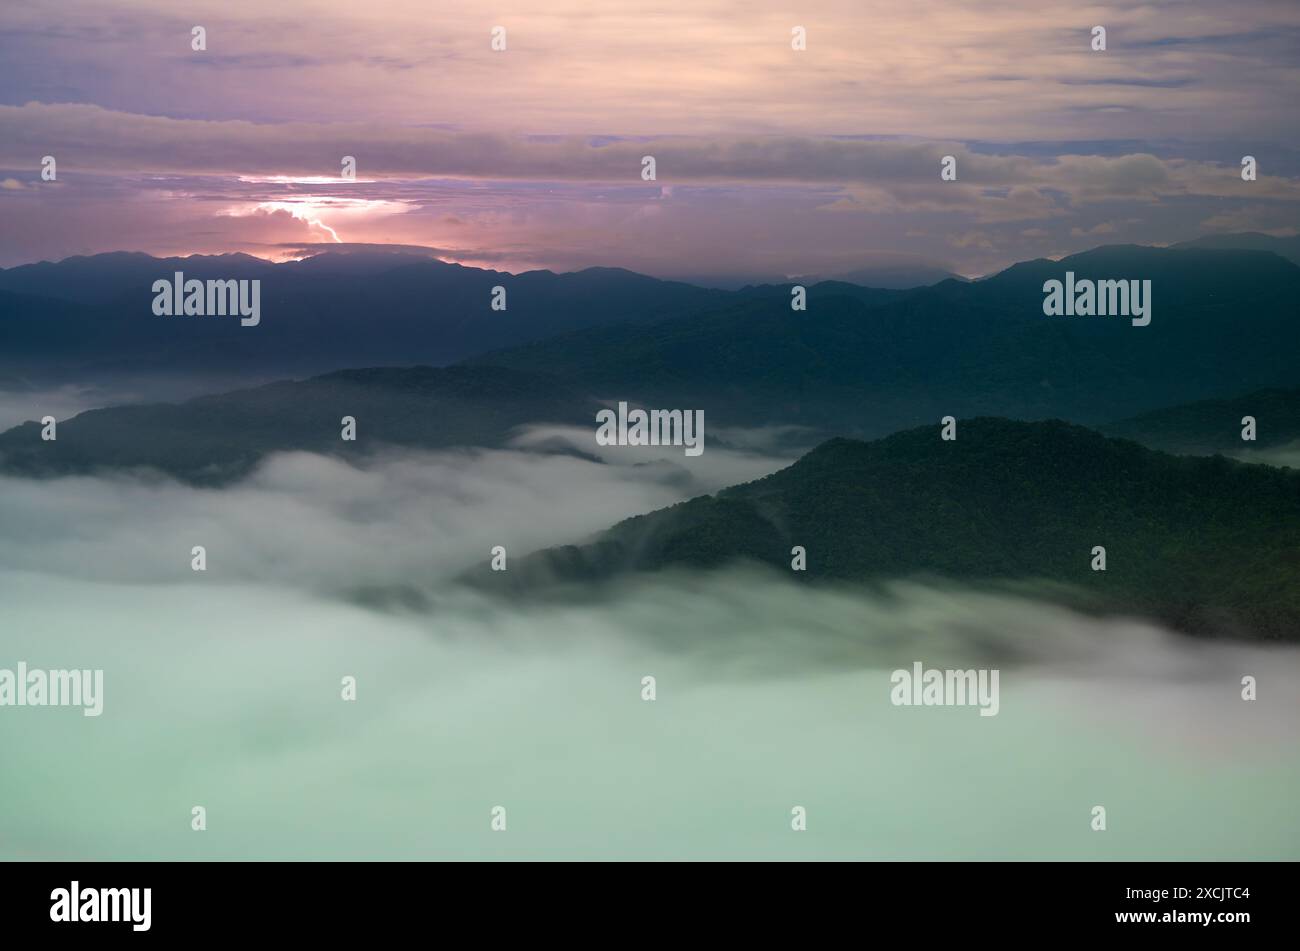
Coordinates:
1208 545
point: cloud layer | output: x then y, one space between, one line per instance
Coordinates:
771 161
980 69
224 690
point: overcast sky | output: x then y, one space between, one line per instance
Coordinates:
769 160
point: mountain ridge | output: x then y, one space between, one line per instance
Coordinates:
865 367
219 438
1005 501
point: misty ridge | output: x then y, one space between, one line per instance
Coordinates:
372 558
861 361
1206 547
393 537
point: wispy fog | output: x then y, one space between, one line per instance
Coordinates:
222 689
403 518
22 400
20 403
1285 455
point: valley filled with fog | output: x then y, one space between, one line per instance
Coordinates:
222 688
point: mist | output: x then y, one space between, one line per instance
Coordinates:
401 517
223 688
20 402
1286 455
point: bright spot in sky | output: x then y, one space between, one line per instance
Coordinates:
313 209
304 179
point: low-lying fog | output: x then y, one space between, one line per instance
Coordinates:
222 689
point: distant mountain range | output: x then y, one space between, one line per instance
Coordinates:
860 361
93 317
887 276
1224 322
1288 248
215 439
218 438
1206 545
884 275
1214 426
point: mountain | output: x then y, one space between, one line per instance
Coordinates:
1288 248
1207 545
46 323
1214 426
859 361
215 439
1222 322
782 294
325 312
100 278
889 276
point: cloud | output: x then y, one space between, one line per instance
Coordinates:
92 139
306 519
566 202
931 69
769 695
224 689
1104 227
20 402
1286 455
531 157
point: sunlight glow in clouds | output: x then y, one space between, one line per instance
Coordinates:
778 161
303 180
313 209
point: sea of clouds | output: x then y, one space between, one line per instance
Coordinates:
222 689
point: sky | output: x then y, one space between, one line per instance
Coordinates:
769 161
